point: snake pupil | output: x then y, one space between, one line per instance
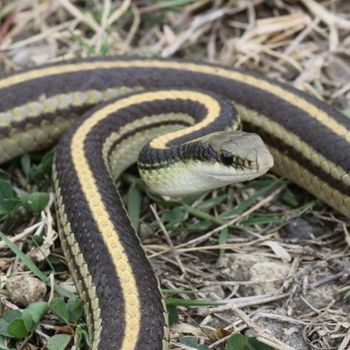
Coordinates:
226 158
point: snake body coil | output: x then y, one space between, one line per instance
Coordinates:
310 143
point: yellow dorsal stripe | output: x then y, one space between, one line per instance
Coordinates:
213 111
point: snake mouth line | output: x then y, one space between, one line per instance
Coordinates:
230 177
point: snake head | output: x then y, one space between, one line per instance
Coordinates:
245 153
229 157
210 162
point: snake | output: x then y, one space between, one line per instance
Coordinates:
181 121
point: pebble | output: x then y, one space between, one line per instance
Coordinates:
24 289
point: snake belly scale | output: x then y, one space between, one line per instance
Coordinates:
310 143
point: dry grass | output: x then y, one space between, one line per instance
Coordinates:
282 279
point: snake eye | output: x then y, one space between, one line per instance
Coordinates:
226 158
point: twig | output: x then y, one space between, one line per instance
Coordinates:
168 239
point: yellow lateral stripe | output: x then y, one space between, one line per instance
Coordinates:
100 215
294 141
280 92
33 110
304 178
